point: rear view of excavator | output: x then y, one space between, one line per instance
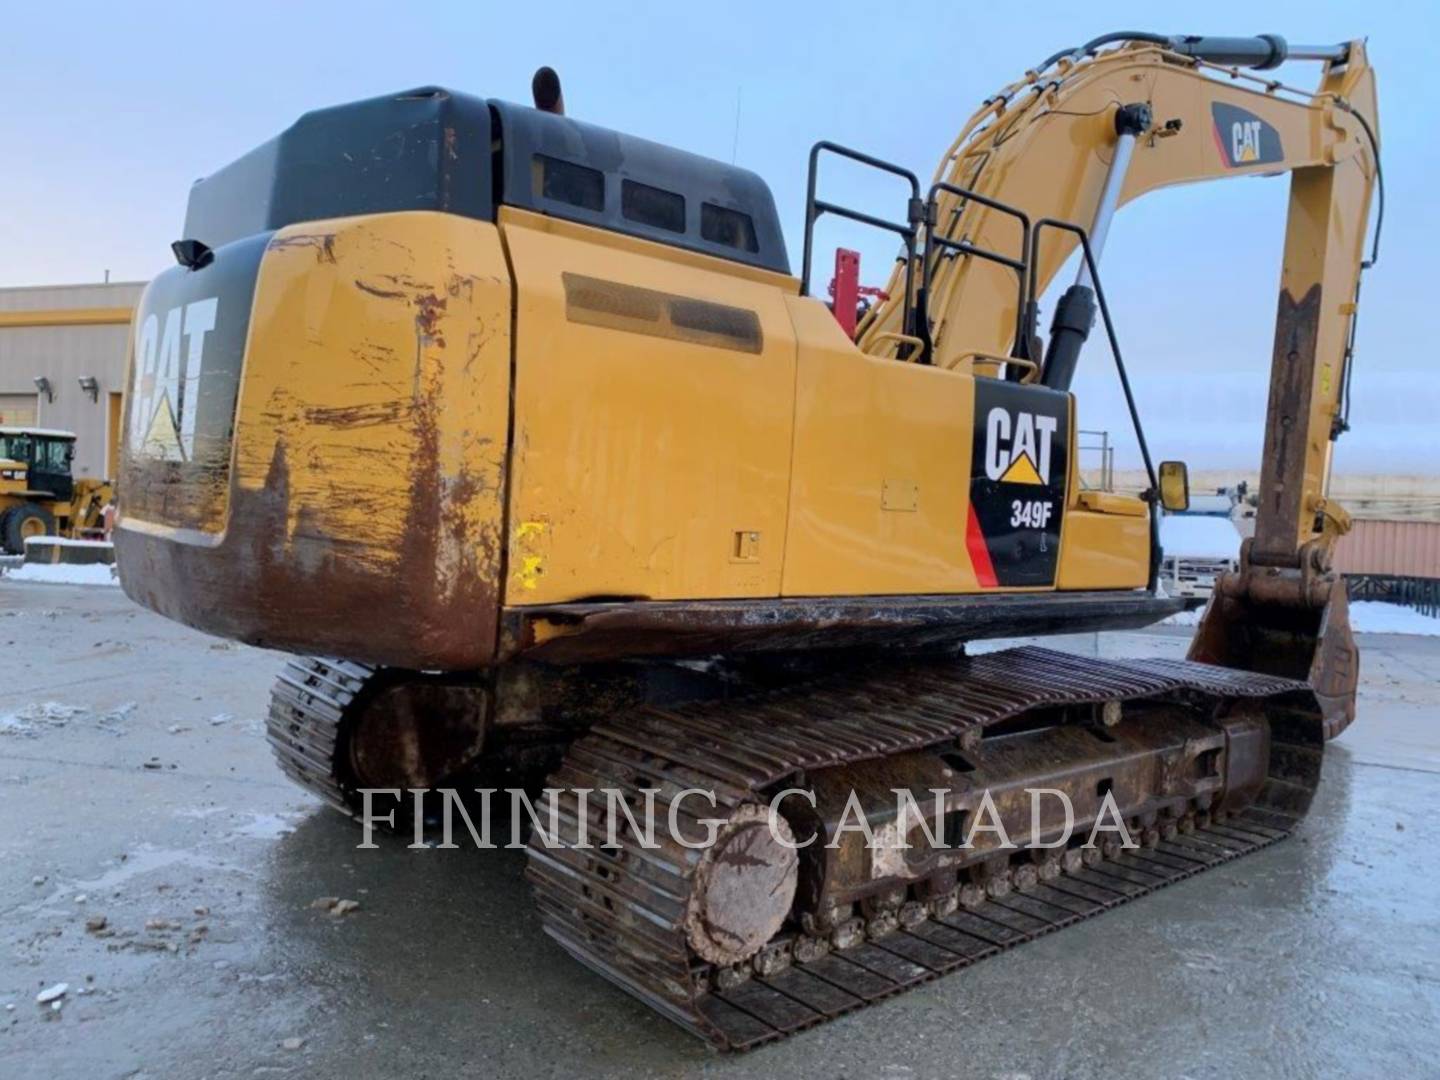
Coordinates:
521 434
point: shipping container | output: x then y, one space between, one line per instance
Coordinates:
1404 548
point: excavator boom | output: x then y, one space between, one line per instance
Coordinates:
1155 112
1148 113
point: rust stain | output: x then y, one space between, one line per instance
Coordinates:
373 290
418 586
369 414
282 578
429 309
460 287
1282 472
323 243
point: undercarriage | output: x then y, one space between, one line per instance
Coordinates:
765 908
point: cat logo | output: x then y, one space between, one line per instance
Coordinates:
1018 468
1245 141
169 353
1017 448
1242 138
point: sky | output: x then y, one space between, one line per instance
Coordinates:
112 110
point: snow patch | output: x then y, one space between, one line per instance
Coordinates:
47 574
1366 617
36 717
62 541
268 826
1378 617
39 717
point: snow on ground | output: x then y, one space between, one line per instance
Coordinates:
47 574
38 717
61 541
1366 617
1377 617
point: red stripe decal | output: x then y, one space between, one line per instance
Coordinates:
979 553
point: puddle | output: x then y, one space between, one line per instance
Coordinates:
268 826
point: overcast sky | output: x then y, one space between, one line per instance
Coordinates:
110 111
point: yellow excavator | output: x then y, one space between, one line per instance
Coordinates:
521 432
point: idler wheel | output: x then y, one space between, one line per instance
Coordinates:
744 887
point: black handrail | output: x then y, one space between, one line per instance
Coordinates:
1021 266
814 208
1034 260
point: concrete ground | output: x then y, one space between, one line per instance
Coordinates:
135 786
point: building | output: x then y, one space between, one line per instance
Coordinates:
62 364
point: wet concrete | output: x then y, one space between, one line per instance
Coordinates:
1317 957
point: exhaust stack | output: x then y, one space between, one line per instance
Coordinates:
545 89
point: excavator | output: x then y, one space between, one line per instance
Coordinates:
522 436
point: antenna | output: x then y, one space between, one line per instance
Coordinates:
735 143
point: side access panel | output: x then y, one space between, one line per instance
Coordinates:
911 479
881 470
654 395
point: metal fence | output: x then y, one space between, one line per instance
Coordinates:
1420 593
1099 444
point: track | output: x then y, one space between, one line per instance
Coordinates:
307 710
623 912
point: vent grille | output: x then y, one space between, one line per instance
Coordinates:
616 306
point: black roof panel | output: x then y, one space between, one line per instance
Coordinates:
525 132
432 149
375 156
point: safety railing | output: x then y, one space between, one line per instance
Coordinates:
935 243
815 208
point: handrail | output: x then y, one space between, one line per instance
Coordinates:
904 339
1089 255
1032 369
814 208
1021 348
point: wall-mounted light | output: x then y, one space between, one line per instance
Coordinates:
42 384
90 385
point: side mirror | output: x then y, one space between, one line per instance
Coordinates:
1174 486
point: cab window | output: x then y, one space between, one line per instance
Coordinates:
15 447
721 225
54 455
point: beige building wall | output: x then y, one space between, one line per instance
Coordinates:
39 337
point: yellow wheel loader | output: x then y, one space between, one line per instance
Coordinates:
39 496
521 433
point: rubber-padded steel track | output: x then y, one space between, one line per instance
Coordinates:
622 912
